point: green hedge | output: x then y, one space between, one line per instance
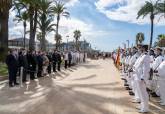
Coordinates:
3 70
3 54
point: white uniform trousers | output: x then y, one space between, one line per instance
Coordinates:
144 98
135 90
161 84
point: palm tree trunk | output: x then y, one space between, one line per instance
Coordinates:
31 40
24 34
77 45
43 43
4 16
152 30
33 27
56 43
57 27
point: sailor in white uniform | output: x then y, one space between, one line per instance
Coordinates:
81 57
136 98
142 68
161 73
158 60
131 63
73 57
128 73
149 82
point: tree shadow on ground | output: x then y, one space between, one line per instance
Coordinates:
69 69
86 78
56 97
68 99
61 98
88 66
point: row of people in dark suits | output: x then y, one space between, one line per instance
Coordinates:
39 63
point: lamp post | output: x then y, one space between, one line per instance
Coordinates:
67 42
24 34
128 43
84 49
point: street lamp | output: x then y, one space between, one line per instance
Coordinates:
84 49
67 42
128 43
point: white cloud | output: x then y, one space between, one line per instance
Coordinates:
67 27
126 11
101 4
71 3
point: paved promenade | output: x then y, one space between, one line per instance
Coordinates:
91 88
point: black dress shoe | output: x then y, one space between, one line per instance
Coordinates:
148 90
131 93
24 81
16 83
123 78
126 85
127 88
154 94
11 85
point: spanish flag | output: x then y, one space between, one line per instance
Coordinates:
118 59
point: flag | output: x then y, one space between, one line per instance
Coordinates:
118 59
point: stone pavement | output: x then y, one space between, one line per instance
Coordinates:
94 87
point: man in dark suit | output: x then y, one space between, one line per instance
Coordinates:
49 55
32 62
70 59
59 61
54 60
40 64
12 63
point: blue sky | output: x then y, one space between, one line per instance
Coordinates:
106 23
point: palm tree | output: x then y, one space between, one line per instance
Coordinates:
46 26
32 7
45 21
161 8
5 6
39 38
77 35
23 17
161 40
59 10
58 39
149 8
139 38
